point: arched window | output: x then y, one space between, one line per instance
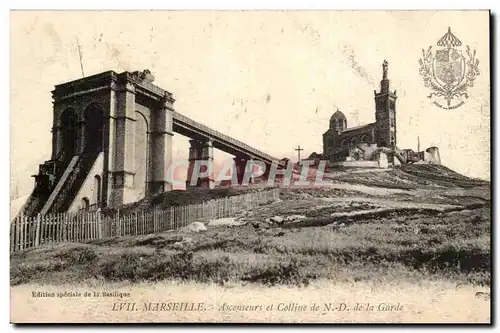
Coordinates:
93 136
68 135
85 203
344 143
141 157
364 138
333 124
341 126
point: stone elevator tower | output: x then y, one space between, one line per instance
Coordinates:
111 143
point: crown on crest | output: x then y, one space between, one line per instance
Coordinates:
449 40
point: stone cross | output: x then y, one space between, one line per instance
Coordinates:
298 149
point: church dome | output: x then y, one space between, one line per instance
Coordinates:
338 121
338 115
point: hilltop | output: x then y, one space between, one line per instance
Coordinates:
416 176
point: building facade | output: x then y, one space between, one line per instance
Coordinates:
341 142
112 145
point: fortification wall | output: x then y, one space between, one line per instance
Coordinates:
382 160
354 164
370 149
432 156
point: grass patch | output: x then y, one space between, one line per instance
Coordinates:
406 247
370 240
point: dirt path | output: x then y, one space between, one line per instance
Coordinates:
388 203
429 301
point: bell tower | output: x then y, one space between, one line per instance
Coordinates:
385 112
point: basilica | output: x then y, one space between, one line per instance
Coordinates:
342 143
374 144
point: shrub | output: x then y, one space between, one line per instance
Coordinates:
290 273
80 256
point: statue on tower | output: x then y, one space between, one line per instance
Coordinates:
385 64
145 75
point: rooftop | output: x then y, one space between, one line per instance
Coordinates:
357 128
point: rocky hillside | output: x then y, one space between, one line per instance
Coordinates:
407 177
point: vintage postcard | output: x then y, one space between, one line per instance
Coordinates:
250 167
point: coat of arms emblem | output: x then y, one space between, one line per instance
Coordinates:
447 72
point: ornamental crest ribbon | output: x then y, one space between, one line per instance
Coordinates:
447 72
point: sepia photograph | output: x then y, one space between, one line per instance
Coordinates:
252 166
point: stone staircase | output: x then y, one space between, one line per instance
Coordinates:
57 184
48 175
73 180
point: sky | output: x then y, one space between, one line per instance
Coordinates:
269 79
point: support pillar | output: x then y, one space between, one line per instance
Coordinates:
201 161
161 154
240 163
195 152
265 176
250 171
110 155
82 135
207 167
124 147
57 141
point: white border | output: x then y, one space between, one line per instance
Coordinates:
255 4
